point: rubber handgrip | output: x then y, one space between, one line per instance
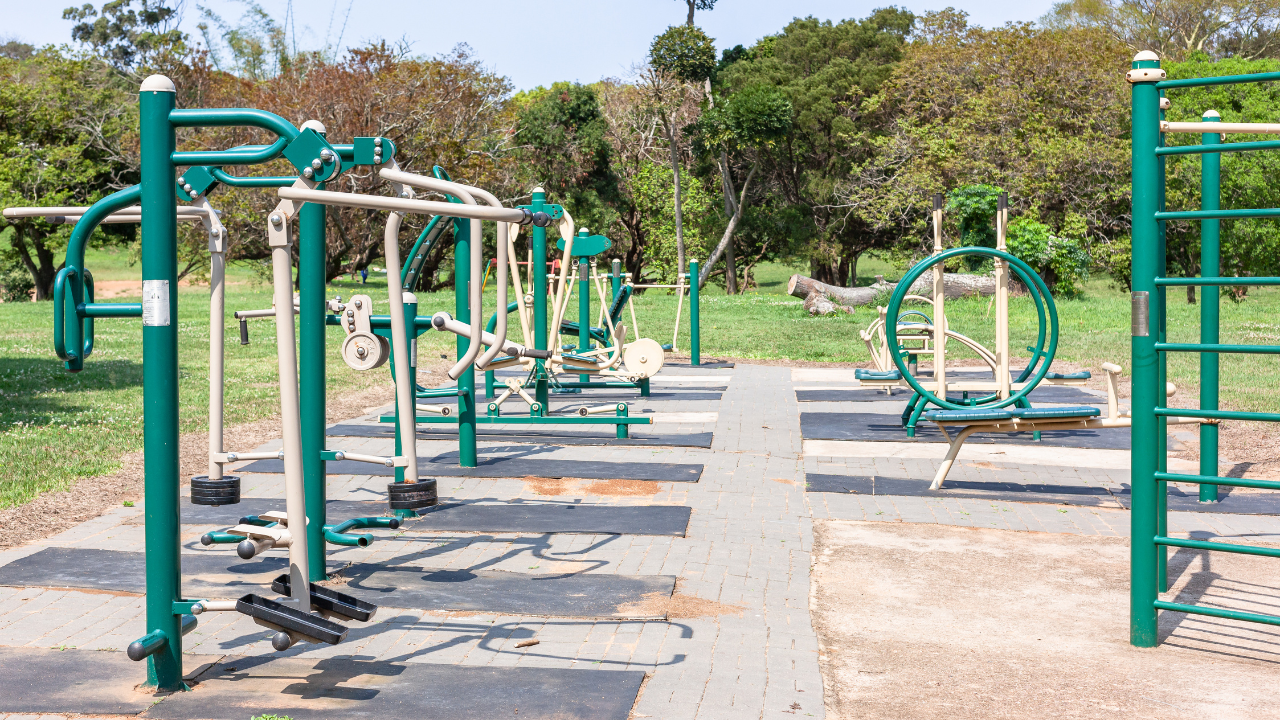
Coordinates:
244 331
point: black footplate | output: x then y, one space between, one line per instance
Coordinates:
291 620
329 601
223 491
412 496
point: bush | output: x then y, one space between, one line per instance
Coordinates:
1061 261
16 285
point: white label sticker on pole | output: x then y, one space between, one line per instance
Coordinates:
155 303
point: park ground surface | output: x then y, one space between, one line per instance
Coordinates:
788 601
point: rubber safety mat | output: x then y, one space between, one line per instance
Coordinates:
559 437
446 465
1050 395
978 490
220 574
84 682
505 517
879 427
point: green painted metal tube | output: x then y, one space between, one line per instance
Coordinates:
1218 547
1215 479
615 280
1218 214
1219 348
1218 414
538 242
160 382
1216 281
265 181
227 117
111 310
1210 254
219 537
584 307
491 377
432 232
1225 147
1217 612
255 155
1223 80
312 309
438 393
536 420
695 319
466 417
1146 441
147 645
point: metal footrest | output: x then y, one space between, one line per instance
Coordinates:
223 491
291 622
328 601
412 496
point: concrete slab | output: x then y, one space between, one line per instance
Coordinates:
74 681
446 465
559 437
1058 494
875 427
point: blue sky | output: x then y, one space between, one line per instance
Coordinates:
533 43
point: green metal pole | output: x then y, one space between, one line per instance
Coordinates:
584 306
1159 305
462 307
1210 260
312 260
160 380
1145 330
615 279
695 327
538 239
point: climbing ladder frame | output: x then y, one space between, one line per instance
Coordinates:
1149 473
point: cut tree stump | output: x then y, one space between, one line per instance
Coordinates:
823 299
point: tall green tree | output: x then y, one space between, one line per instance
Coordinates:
697 5
1177 28
826 71
130 38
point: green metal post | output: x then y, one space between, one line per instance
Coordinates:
1210 258
695 328
312 259
615 280
584 306
462 307
1158 306
160 380
538 239
1145 329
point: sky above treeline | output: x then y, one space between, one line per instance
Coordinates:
533 43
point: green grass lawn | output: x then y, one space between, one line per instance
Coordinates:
56 427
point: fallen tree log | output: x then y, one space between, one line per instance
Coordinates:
823 299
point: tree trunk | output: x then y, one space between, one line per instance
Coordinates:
728 231
726 188
842 298
42 267
730 270
675 176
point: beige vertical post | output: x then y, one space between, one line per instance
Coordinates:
1002 298
939 311
217 332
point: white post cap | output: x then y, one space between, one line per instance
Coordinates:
314 125
158 83
1145 55
1211 113
539 189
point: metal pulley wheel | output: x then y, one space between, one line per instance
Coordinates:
222 491
363 351
643 357
412 496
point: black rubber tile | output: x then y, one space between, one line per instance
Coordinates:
1232 501
564 436
446 465
704 365
219 574
977 490
1050 395
506 517
338 689
879 427
38 681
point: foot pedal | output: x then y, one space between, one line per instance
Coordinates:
412 496
291 622
328 601
223 491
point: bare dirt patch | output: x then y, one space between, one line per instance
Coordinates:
597 488
924 621
677 606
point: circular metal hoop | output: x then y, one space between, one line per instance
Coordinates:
1033 282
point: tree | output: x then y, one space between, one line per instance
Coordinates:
67 131
128 39
1176 28
679 58
697 5
826 70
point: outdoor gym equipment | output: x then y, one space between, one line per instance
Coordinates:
168 614
908 336
1149 474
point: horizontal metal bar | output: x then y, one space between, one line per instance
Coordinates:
231 117
1218 414
1226 128
1219 348
249 155
1218 214
529 420
1214 480
1219 148
1216 281
1218 612
1218 546
394 204
110 310
262 181
1222 80
132 210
